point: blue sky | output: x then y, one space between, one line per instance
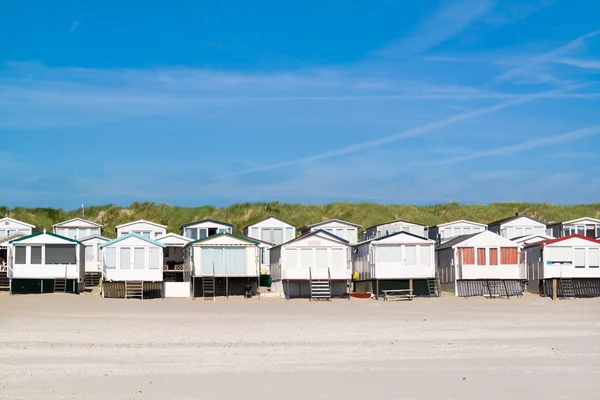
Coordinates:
192 103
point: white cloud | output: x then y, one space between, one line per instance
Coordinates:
581 63
74 26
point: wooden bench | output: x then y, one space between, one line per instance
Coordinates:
398 294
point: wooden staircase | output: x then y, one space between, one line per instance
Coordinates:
60 285
320 289
209 288
134 290
4 280
434 287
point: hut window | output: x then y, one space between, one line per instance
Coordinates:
594 258
579 258
337 258
99 253
321 258
60 231
82 233
36 255
306 256
125 258
89 253
254 233
111 258
425 255
481 259
468 255
350 235
235 260
508 255
20 254
154 260
139 258
94 231
289 233
493 256
339 233
529 231
60 254
410 255
277 236
290 258
388 253
266 235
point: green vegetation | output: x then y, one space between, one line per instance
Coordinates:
241 215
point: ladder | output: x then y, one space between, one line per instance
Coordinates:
60 285
4 281
320 289
433 285
497 289
134 290
566 288
208 288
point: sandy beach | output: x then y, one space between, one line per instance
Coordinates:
66 347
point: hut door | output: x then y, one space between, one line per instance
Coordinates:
590 231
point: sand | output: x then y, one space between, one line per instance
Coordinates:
65 347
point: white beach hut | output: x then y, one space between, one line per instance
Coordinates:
176 277
141 227
315 265
204 228
481 264
444 232
530 239
132 267
517 226
347 231
93 258
223 265
389 228
270 230
78 228
589 227
45 263
397 261
564 267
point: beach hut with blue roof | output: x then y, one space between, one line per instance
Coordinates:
132 267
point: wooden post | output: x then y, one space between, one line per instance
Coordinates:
226 286
410 284
42 286
554 289
377 289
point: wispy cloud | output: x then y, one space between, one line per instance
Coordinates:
74 26
581 63
510 11
526 145
576 155
410 133
445 23
551 56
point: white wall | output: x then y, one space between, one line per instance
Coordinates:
206 225
43 270
453 229
519 227
93 264
263 230
252 260
152 270
10 227
347 232
394 227
176 289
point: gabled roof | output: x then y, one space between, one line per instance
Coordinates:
456 240
459 220
331 220
85 239
562 239
207 220
211 237
163 239
395 222
396 234
318 231
120 238
505 220
259 241
264 219
140 221
10 238
574 221
43 233
16 221
81 220
533 235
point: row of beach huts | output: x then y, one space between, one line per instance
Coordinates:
319 261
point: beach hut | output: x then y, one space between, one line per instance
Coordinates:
444 232
176 277
270 230
315 265
222 265
78 228
204 228
44 262
589 227
10 229
481 264
93 258
347 231
564 267
389 228
397 261
132 267
141 227
517 226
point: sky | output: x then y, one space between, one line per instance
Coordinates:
392 101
